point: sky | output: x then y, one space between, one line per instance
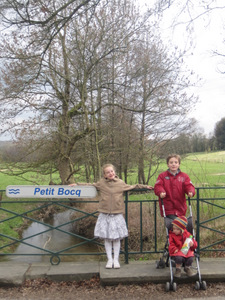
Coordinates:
206 38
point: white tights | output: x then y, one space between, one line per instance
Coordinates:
115 244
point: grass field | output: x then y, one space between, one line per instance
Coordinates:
204 169
6 180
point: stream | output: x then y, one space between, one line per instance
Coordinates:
53 240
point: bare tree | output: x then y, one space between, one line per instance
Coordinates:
49 16
98 92
60 98
160 96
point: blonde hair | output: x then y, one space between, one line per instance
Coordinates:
107 166
177 156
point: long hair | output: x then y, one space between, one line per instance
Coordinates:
106 166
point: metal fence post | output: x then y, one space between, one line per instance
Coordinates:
197 221
126 218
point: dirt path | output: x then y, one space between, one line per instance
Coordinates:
90 290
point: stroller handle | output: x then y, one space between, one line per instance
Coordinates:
189 201
163 208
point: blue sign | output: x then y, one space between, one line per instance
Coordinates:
50 191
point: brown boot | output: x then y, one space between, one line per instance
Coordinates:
189 271
177 273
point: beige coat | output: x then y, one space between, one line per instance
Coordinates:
111 194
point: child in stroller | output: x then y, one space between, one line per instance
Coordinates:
176 243
177 237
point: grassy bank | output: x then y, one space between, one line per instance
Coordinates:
204 169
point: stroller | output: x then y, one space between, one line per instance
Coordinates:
166 261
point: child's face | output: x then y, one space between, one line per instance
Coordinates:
109 173
176 230
173 164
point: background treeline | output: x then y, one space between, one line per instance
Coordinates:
85 83
11 153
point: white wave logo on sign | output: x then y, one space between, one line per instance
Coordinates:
50 191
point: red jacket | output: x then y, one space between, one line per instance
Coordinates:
177 241
175 187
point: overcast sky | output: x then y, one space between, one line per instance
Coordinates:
207 36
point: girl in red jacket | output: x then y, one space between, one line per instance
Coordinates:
177 238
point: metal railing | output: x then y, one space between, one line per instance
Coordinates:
207 209
210 219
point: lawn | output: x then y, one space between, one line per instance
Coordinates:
6 180
206 169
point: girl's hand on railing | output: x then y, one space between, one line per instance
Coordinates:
150 187
72 184
190 194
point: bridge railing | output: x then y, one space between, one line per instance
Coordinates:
147 234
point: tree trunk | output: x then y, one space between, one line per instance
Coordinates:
65 171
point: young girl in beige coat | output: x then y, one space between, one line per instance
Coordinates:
111 225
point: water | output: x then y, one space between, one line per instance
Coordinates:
39 235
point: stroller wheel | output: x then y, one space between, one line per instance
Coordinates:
174 286
203 285
167 286
197 285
